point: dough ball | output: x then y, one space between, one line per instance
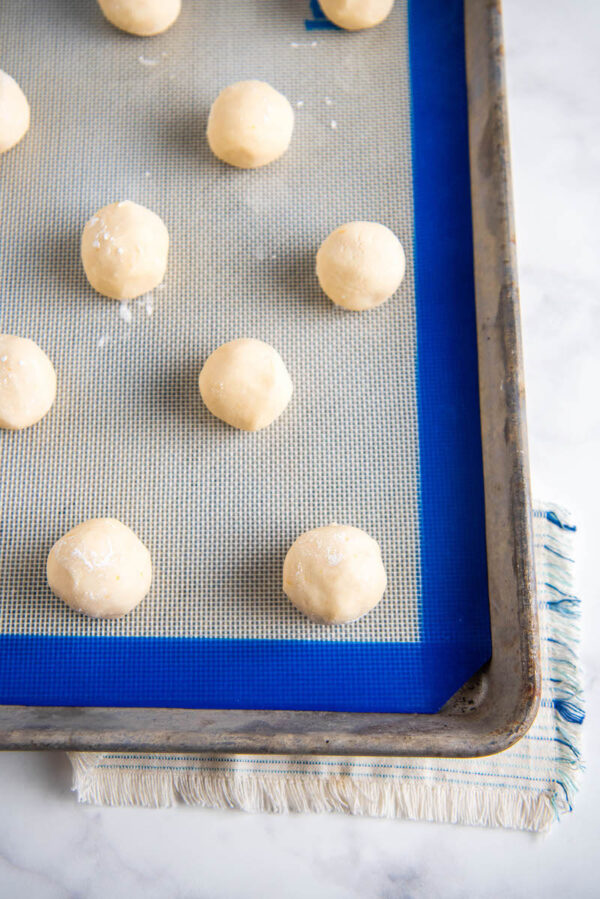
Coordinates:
27 382
334 574
353 15
245 383
250 124
100 568
14 113
124 250
142 17
360 265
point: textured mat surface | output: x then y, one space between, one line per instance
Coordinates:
383 428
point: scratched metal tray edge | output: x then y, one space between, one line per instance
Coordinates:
499 704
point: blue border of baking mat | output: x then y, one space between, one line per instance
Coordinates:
455 636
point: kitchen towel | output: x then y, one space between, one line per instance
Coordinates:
527 786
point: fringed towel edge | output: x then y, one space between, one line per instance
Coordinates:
341 793
555 539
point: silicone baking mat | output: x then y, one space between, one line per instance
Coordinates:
383 428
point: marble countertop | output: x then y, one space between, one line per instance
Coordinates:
51 847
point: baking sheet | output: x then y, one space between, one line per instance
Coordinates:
116 118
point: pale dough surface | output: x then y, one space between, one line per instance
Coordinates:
250 124
142 17
124 250
334 574
245 383
27 382
360 265
14 113
353 15
100 568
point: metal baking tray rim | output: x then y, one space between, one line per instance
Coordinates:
498 705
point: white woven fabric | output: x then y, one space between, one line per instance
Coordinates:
526 786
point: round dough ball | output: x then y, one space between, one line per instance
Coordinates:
245 383
250 124
27 382
353 15
100 568
334 574
142 17
360 265
124 250
14 113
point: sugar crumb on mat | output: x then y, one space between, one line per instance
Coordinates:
125 311
145 302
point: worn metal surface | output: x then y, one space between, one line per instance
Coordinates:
498 706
